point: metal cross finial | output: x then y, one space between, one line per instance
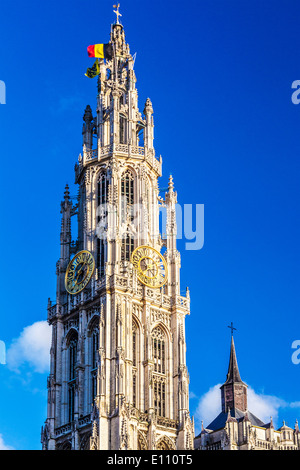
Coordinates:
232 328
117 12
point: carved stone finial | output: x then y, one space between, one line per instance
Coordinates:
148 107
187 293
88 115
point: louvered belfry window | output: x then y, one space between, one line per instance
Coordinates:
127 216
159 375
102 213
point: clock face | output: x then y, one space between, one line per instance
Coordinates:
150 265
79 272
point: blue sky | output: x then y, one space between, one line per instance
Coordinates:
219 75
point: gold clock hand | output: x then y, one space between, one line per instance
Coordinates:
76 280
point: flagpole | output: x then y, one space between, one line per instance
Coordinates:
98 81
115 62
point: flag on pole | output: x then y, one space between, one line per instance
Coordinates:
93 71
103 51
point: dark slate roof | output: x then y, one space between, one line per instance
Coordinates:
220 421
268 425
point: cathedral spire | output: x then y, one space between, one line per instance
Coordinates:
233 374
234 390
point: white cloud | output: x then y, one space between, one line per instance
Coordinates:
262 406
295 404
31 347
4 446
209 407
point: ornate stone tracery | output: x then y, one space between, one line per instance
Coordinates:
165 443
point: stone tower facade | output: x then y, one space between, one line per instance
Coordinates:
118 376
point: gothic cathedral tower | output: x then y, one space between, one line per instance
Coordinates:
118 376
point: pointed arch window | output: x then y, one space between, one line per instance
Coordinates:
127 186
159 377
72 350
127 247
102 199
122 129
127 215
127 196
159 390
159 350
100 257
102 191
